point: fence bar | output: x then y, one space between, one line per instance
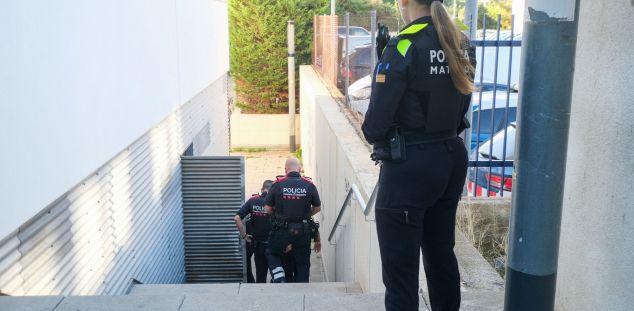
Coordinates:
495 163
495 83
373 40
547 70
477 154
491 43
506 110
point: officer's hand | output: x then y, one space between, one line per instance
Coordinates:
317 246
248 238
289 248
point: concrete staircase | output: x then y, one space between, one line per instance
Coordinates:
212 297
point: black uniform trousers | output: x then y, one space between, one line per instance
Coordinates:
300 241
261 264
288 263
416 210
250 250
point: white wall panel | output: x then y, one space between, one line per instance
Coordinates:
81 80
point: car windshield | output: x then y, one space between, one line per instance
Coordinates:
485 120
358 32
354 31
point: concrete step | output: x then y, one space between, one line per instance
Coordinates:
235 297
244 289
202 302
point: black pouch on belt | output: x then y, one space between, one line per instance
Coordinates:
397 144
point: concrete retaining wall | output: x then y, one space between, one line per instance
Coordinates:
262 130
336 158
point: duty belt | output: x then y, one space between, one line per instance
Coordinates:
415 138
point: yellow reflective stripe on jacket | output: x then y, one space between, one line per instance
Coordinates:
413 29
403 46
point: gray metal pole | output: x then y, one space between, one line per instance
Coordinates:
471 16
373 39
291 84
548 59
333 7
347 55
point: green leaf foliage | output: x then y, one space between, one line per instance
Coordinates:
258 48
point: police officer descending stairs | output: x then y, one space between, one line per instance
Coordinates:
292 200
257 233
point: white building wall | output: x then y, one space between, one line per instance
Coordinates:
596 265
81 80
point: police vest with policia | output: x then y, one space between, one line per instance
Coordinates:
292 200
421 91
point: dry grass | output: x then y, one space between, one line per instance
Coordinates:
487 228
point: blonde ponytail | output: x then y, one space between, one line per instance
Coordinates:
450 37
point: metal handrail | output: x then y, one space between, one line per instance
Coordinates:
365 207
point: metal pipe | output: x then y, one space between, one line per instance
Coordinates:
547 64
333 7
291 84
354 193
373 38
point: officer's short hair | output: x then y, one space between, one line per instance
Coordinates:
267 184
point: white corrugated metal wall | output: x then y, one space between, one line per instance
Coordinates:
124 221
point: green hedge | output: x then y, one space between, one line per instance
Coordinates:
258 49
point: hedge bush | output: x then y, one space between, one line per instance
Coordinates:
258 48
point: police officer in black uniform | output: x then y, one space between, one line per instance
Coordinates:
421 91
292 200
260 227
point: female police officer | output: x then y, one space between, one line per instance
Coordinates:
421 92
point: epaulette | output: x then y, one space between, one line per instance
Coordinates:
307 179
279 178
402 43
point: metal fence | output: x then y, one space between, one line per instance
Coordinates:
491 140
346 56
325 47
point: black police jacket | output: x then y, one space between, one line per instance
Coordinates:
292 196
260 223
412 88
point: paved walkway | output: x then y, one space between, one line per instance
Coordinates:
260 166
263 165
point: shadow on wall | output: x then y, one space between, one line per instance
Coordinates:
122 222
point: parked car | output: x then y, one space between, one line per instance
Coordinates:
360 65
481 129
358 37
495 179
353 31
359 94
